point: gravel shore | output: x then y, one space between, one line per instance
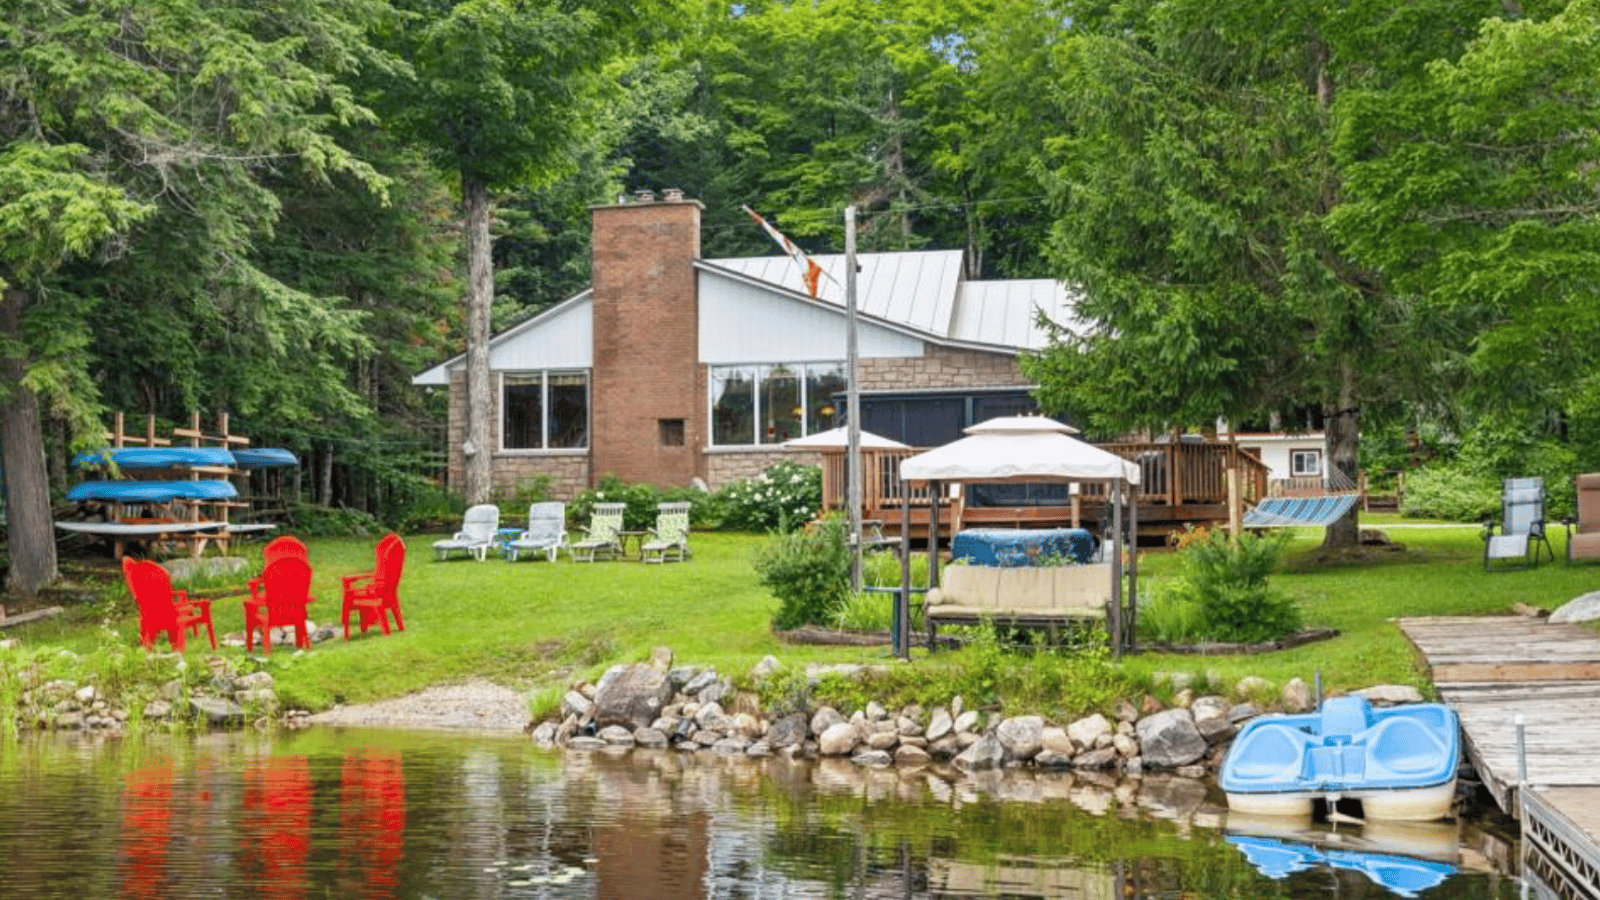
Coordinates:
477 705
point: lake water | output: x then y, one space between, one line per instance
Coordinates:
327 813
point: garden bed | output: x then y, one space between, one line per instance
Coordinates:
1308 636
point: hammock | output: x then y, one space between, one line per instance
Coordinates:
1281 512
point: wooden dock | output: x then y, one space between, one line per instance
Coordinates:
1491 670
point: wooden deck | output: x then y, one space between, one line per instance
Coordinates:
1180 484
1491 670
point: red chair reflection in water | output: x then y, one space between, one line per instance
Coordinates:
146 834
279 601
372 822
375 595
162 609
275 827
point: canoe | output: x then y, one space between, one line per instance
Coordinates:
152 491
1399 762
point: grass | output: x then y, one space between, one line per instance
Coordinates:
541 626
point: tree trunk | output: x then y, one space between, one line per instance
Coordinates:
480 298
31 532
1344 434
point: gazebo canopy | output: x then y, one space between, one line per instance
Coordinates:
1018 448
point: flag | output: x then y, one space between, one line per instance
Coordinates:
809 270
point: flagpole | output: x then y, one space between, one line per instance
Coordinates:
853 400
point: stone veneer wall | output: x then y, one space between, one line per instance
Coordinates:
941 367
726 467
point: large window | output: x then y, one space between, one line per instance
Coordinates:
544 410
770 404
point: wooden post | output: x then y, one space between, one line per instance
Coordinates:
1235 504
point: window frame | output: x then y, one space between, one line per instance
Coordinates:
544 376
800 373
1296 470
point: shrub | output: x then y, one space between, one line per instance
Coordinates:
783 498
882 569
865 611
1452 493
1228 579
640 498
808 571
1168 613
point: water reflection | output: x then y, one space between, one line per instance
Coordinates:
373 814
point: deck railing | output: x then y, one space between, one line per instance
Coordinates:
1172 474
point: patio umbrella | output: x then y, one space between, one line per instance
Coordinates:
839 438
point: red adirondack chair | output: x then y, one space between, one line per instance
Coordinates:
279 602
287 545
374 595
162 609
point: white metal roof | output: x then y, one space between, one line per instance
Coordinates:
923 290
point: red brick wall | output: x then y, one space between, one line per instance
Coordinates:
646 342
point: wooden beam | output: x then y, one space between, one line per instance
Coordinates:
1457 673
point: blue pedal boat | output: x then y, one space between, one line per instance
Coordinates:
1399 762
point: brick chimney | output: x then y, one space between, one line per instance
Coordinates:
648 397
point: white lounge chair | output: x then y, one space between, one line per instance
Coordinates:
477 534
547 531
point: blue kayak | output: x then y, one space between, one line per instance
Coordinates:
152 491
153 457
263 458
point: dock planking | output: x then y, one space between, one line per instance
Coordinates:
1490 669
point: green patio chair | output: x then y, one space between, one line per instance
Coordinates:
670 538
603 535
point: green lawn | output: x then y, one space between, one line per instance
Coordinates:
541 625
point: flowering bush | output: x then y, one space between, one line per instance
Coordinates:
784 497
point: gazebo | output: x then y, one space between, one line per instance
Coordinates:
1030 449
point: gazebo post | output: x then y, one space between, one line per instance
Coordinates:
1133 570
935 488
1116 568
902 600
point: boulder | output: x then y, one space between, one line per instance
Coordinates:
941 724
1390 694
985 753
1296 696
1584 608
1085 731
632 695
838 740
1170 739
1021 736
788 731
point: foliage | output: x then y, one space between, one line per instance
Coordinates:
784 497
865 611
641 500
308 519
1452 493
808 570
1227 579
1474 190
1168 613
882 569
528 491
